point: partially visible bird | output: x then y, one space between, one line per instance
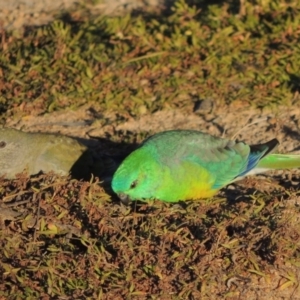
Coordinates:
35 152
180 165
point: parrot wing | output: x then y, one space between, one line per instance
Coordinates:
233 161
226 160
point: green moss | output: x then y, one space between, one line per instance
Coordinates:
123 62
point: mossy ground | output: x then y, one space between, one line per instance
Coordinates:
73 240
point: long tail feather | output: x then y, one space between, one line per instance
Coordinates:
280 161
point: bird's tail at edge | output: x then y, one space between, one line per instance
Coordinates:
279 161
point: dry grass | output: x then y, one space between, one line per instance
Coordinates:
67 239
71 240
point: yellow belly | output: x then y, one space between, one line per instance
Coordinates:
187 182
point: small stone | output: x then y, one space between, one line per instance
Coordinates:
142 109
203 105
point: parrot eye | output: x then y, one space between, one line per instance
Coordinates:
133 184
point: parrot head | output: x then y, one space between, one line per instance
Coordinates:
136 177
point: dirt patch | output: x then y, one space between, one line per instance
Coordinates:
274 282
247 124
15 14
215 250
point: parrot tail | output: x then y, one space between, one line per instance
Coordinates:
279 161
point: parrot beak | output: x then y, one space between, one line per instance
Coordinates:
124 198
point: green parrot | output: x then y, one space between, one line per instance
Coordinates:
180 165
35 152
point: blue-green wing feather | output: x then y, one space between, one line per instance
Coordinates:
224 159
257 152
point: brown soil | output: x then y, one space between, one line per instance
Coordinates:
282 123
247 124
